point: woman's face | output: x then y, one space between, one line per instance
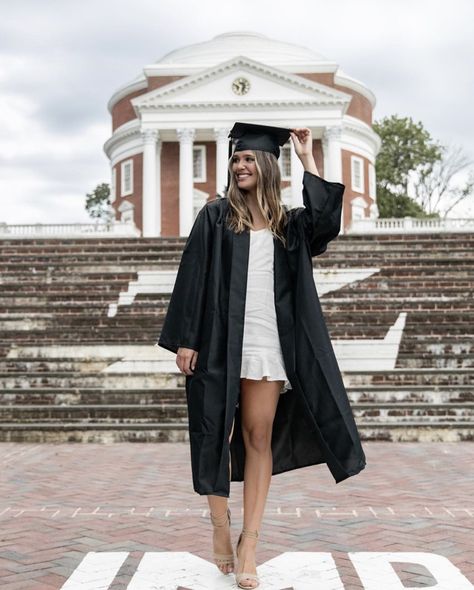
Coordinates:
244 169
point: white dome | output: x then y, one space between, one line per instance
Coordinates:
253 45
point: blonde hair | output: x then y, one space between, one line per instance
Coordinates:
268 197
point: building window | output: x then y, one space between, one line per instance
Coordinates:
113 185
285 162
199 200
372 190
126 178
199 163
357 174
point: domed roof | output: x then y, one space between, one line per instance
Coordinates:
254 45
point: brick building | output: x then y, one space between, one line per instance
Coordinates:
168 148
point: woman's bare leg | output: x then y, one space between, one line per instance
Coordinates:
259 400
221 535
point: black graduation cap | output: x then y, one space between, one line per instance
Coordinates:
248 136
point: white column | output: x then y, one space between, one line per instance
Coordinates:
222 157
297 171
332 154
158 188
149 183
333 160
186 138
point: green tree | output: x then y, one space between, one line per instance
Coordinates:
407 148
98 203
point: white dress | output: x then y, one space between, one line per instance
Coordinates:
261 348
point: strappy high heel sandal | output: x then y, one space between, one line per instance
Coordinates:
222 558
239 577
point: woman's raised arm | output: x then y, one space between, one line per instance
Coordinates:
320 218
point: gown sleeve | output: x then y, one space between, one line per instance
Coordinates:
320 219
183 321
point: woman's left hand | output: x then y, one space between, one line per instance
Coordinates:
303 141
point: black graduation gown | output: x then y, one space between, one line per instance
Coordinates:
314 422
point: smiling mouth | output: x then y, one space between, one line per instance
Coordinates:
242 176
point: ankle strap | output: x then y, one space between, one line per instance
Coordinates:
249 533
221 519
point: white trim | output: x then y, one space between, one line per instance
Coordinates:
140 84
126 154
358 188
359 137
122 136
372 183
286 148
343 79
203 176
183 69
410 225
123 192
113 185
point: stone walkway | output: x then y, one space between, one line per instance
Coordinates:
125 516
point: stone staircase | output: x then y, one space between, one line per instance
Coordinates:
73 370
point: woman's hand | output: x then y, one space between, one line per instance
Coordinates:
186 359
302 139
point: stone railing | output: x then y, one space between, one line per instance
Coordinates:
406 225
69 230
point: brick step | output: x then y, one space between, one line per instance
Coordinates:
60 257
415 431
40 364
377 394
416 319
56 306
77 314
47 364
362 291
79 269
403 377
172 432
91 395
64 248
167 412
430 377
407 412
65 274
94 335
387 304
442 361
375 238
446 260
98 413
96 306
401 393
60 280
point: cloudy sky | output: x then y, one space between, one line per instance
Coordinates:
60 61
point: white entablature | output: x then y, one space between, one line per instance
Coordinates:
213 87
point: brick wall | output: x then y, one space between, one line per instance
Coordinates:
170 188
359 107
136 197
349 194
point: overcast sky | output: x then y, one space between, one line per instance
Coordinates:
60 61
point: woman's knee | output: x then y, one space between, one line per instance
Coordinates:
258 438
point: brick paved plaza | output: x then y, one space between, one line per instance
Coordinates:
86 515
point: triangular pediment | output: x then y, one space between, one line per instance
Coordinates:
215 85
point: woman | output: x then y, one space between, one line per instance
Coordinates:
245 321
